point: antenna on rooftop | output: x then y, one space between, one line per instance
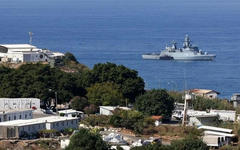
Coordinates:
30 37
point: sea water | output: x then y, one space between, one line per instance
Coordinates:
120 31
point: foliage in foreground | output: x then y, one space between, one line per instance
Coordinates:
86 140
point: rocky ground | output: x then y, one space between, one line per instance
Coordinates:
39 144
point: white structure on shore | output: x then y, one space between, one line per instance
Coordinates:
8 115
108 110
25 53
17 128
19 103
204 93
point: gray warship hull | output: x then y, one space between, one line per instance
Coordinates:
187 53
156 56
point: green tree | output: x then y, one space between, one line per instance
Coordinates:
79 103
155 102
130 84
105 94
35 80
86 140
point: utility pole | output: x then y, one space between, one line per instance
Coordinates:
30 37
56 98
187 98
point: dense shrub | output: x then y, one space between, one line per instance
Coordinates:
130 119
86 140
96 120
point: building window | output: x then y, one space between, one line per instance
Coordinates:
0 119
25 116
62 123
20 116
71 121
67 123
14 117
30 114
9 118
57 124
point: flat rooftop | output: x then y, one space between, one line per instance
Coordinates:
49 119
69 111
18 46
14 111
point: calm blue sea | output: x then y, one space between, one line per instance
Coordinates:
120 31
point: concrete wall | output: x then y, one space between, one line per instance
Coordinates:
16 115
198 121
61 125
31 129
19 103
104 111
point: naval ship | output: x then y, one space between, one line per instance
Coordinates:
187 53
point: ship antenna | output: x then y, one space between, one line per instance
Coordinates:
30 37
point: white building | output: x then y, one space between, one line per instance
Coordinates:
235 99
71 113
224 115
108 110
17 128
205 93
220 132
7 115
19 103
25 53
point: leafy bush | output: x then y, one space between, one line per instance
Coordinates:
91 109
189 144
202 103
79 103
86 140
68 131
48 133
96 120
62 114
130 119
